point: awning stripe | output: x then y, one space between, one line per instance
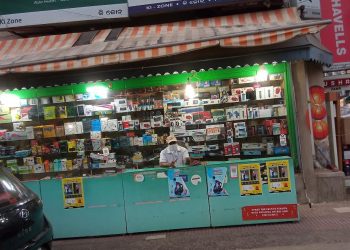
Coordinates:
101 36
153 41
26 46
268 38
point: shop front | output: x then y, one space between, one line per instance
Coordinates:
91 150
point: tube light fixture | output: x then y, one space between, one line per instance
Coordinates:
10 100
99 92
262 74
190 92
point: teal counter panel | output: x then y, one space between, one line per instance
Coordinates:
227 210
34 186
103 213
150 208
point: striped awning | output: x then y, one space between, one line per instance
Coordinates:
19 47
154 41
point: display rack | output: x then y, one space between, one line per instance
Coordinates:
227 118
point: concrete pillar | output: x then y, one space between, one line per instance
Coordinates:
332 134
315 76
301 89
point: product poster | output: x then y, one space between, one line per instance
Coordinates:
249 179
73 192
216 179
278 177
263 172
177 185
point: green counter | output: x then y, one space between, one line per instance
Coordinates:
231 208
103 214
147 200
34 186
149 207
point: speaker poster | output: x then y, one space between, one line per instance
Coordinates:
250 179
177 185
278 177
73 192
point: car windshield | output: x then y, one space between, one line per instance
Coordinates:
11 190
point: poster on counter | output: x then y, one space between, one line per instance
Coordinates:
216 179
249 179
263 173
177 185
278 177
73 192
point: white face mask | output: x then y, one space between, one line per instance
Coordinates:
173 147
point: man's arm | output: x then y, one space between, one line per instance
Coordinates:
186 157
166 164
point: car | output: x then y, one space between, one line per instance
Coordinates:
23 224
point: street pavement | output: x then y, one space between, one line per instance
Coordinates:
323 226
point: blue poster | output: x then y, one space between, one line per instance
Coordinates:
216 179
177 186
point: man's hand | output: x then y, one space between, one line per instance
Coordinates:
172 164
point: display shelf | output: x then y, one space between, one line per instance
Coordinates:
227 104
262 84
137 111
66 174
268 118
21 140
255 136
113 150
11 157
97 101
79 118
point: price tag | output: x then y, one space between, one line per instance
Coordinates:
213 131
105 151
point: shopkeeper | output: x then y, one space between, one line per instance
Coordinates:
173 155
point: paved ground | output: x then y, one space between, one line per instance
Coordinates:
324 226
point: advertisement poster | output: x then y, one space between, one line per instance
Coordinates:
249 179
279 180
216 179
19 13
73 192
177 185
336 36
263 172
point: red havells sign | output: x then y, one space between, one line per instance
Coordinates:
336 36
270 212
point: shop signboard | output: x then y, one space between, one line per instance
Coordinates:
336 36
20 13
337 84
146 7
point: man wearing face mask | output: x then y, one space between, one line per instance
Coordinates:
173 155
